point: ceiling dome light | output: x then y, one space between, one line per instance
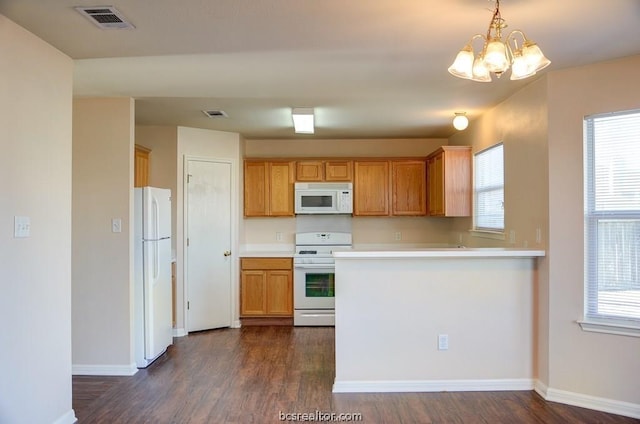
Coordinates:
460 122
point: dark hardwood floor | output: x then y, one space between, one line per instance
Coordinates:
253 374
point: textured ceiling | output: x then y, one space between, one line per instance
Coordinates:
370 68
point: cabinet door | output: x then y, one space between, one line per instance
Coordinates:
279 293
408 187
309 170
457 182
141 165
256 189
436 185
338 170
281 188
371 188
253 292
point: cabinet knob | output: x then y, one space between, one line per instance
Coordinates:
227 253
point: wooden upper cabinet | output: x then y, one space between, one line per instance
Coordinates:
141 166
338 170
435 182
256 189
396 187
281 188
268 188
408 187
324 170
310 170
449 181
371 188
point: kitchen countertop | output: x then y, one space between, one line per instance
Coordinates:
267 251
267 254
452 252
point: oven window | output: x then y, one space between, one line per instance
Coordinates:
319 284
316 201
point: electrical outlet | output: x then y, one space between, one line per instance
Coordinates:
512 237
443 341
397 235
538 235
278 236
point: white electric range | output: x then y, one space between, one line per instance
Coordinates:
314 277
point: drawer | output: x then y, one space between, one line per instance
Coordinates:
266 263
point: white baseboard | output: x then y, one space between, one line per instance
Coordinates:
68 418
611 406
179 332
432 386
124 370
236 324
540 388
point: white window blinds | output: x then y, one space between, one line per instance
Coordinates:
489 189
612 216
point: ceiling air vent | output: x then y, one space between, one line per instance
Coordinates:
215 113
105 17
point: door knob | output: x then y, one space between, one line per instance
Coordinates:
227 253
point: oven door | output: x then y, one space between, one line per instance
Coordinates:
314 286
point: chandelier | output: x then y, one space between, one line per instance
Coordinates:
497 56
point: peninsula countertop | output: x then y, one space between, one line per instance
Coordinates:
438 252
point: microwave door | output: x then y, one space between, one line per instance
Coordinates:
310 202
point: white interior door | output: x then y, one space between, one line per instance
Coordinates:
208 245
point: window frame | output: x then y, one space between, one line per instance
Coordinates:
488 232
592 319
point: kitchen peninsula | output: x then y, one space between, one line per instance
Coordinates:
417 320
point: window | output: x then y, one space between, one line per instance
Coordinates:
612 218
488 205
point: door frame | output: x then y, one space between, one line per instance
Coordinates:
234 319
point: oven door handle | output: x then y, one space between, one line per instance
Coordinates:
314 266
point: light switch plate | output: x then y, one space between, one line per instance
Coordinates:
116 225
443 342
21 226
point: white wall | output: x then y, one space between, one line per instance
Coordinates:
573 94
102 260
521 124
35 181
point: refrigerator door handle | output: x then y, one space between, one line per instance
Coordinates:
156 218
156 262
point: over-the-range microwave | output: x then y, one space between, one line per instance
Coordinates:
324 198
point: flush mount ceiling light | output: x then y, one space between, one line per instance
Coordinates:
497 56
302 120
460 121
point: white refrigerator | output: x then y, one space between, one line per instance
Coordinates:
152 264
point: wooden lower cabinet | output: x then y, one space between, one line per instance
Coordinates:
266 288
